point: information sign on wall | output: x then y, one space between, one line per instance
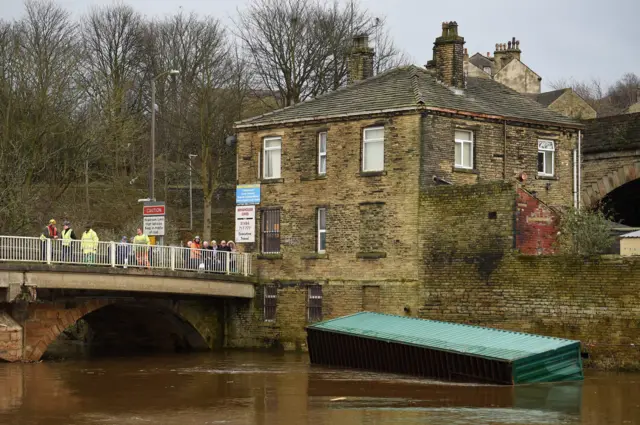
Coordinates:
248 194
246 224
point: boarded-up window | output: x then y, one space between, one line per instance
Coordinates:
372 227
270 302
314 303
371 298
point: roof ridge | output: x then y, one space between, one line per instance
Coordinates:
416 88
342 89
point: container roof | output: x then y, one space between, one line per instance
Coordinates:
635 234
452 337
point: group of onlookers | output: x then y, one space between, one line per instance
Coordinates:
210 256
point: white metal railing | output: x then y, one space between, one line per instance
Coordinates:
125 255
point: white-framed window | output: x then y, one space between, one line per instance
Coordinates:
546 154
322 230
464 149
487 69
272 154
322 153
373 149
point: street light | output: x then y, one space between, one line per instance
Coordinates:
191 155
152 192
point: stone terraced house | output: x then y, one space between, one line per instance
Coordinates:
348 179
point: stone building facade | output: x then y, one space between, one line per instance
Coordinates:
340 224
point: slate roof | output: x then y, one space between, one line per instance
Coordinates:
412 87
547 98
613 133
481 61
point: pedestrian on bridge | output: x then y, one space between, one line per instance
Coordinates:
141 245
50 232
195 253
89 245
68 235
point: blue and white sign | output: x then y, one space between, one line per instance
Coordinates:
248 194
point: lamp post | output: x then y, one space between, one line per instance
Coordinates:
152 193
190 194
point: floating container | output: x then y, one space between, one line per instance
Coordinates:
440 350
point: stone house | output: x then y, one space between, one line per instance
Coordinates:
505 67
566 102
343 181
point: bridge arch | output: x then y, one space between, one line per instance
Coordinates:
176 324
596 192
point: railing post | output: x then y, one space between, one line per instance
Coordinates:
49 250
172 257
228 270
112 253
247 263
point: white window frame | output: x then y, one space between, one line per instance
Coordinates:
544 149
366 141
485 69
264 157
322 154
321 231
462 143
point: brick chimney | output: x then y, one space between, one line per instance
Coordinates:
360 63
448 56
505 53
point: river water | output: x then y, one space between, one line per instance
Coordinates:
273 388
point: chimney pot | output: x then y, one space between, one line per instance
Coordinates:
449 56
488 54
509 44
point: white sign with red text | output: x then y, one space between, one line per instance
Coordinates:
245 224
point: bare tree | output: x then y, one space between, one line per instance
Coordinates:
298 48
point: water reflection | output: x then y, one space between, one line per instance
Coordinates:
267 388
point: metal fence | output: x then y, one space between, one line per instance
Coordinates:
125 255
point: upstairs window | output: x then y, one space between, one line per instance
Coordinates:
487 69
272 155
373 149
322 153
322 230
464 149
546 153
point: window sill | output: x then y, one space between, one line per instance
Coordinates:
315 256
465 170
312 178
269 256
371 255
272 181
545 177
372 173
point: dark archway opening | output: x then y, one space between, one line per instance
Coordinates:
124 330
622 205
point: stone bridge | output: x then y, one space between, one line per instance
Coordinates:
149 309
611 166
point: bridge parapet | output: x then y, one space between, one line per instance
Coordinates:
22 249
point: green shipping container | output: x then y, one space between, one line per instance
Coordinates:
441 350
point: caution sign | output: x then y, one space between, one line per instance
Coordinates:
246 224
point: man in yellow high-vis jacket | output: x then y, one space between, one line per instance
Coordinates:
68 235
89 245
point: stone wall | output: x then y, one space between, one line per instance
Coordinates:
519 77
522 156
388 198
472 275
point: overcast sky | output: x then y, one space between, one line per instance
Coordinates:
583 39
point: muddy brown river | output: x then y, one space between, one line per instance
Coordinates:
273 388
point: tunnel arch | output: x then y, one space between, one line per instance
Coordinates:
592 195
187 325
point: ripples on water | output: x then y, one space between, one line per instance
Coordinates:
267 388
